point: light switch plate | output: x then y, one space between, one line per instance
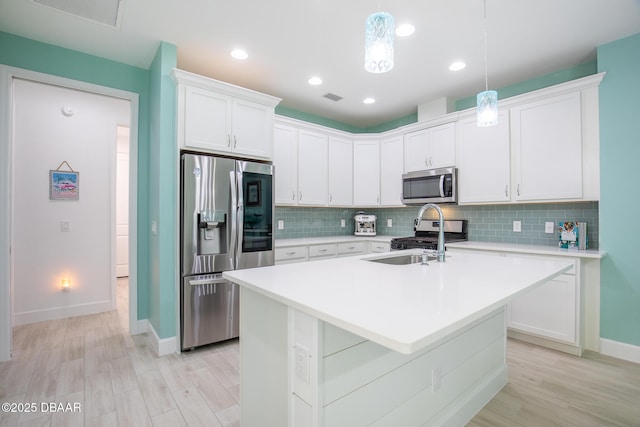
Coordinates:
343 223
280 224
549 227
517 226
389 222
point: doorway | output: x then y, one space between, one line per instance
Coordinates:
53 233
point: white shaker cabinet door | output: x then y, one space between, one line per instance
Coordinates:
252 129
415 151
340 172
391 169
285 161
484 161
313 183
441 146
366 173
207 120
547 143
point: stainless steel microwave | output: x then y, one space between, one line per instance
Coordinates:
430 186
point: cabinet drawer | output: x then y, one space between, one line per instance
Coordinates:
354 248
328 251
291 254
376 247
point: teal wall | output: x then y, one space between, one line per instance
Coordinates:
163 177
620 195
44 58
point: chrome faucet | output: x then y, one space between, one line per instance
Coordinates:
440 251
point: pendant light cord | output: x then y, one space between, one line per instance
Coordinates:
486 79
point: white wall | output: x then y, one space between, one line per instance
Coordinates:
42 254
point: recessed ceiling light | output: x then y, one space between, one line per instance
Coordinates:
315 81
457 66
239 54
368 100
405 30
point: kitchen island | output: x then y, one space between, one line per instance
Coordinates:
354 341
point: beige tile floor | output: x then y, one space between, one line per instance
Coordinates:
118 381
114 377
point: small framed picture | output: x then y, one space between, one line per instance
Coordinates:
63 185
253 193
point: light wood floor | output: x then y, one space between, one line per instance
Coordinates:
118 381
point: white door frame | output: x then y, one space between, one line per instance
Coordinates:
7 75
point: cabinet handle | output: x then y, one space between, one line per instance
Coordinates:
300 198
293 195
430 161
235 141
322 250
518 189
378 198
426 161
228 140
290 253
351 247
330 197
506 190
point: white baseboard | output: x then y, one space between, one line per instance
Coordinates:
55 313
620 350
162 346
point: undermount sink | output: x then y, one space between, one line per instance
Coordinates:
402 259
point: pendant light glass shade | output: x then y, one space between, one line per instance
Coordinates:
378 43
487 108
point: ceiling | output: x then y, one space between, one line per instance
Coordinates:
288 41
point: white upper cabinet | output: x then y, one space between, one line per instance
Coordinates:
430 148
484 172
217 117
313 183
340 172
366 173
547 149
285 161
391 170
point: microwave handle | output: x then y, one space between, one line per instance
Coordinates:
442 185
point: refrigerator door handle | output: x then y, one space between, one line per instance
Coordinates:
197 282
233 234
239 218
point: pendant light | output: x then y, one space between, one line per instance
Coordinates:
378 43
487 101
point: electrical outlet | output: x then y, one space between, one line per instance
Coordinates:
280 224
389 222
549 227
343 223
64 226
301 362
517 226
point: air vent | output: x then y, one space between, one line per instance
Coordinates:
103 11
332 96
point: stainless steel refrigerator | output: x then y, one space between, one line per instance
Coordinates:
227 210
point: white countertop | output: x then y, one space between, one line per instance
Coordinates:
527 249
402 307
305 241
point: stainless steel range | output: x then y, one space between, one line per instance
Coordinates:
426 236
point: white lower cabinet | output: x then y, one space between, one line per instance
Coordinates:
291 254
378 247
317 252
549 310
550 314
313 252
352 248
